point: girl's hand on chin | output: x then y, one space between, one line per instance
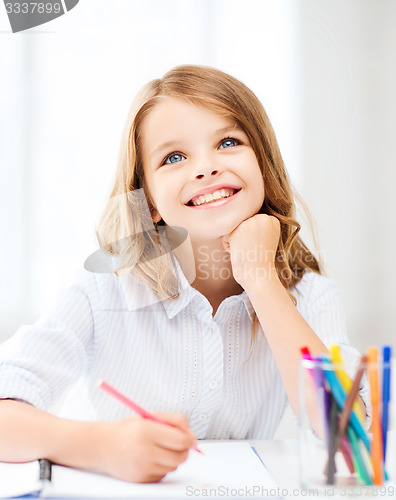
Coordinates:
252 247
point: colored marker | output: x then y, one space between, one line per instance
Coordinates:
305 352
346 411
376 442
324 404
352 431
342 375
318 378
323 400
333 435
358 459
350 399
339 394
307 356
112 391
345 448
386 371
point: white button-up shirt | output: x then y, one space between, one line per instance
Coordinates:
170 356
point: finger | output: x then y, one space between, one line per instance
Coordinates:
172 438
169 459
177 440
158 473
160 463
154 476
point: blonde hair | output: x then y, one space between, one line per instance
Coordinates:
220 93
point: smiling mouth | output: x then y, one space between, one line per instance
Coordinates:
205 199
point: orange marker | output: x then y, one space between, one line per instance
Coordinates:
376 442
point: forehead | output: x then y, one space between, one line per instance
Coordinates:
173 118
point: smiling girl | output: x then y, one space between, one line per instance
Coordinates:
215 352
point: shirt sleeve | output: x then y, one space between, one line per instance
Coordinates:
40 362
319 302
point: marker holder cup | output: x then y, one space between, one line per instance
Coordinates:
350 466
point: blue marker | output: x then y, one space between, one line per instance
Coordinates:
386 357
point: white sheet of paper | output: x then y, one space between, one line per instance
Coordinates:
231 465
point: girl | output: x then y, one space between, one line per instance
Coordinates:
210 334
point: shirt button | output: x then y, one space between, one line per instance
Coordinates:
202 417
212 384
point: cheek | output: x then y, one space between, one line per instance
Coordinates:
260 198
259 192
262 189
164 196
153 187
257 180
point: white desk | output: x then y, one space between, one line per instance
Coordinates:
279 456
281 459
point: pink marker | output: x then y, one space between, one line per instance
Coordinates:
112 391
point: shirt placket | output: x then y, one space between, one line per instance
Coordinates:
212 379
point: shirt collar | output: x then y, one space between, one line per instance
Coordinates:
249 307
138 295
187 293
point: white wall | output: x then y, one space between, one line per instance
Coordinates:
349 154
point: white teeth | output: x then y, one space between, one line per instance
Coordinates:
210 197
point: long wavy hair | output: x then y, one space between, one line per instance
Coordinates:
123 215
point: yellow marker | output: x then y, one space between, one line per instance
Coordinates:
343 377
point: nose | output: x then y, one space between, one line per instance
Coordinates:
204 167
207 173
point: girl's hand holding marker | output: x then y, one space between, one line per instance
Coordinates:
140 450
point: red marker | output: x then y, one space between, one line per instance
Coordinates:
112 391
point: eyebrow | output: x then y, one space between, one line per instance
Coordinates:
172 144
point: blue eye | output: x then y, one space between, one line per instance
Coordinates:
228 143
173 158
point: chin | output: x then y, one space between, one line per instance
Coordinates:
231 225
215 233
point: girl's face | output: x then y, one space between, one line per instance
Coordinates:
201 172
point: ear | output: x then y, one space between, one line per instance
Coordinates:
155 215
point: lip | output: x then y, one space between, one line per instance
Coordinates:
212 189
